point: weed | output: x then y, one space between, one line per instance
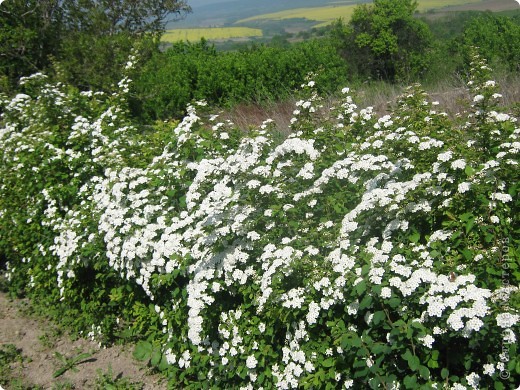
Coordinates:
8 354
107 381
69 363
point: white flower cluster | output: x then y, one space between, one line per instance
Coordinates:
294 229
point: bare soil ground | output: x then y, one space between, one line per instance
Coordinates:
37 340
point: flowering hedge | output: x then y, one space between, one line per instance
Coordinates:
360 251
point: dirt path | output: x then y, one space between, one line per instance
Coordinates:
38 340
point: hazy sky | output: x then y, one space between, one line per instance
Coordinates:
197 3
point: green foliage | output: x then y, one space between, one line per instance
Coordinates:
187 72
363 251
94 62
498 40
385 41
85 41
29 34
153 355
108 17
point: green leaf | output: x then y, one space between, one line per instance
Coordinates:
414 237
498 385
378 317
379 348
394 302
365 302
445 373
163 365
361 287
155 357
469 171
60 371
413 361
469 225
143 351
60 356
410 381
350 340
81 357
328 362
433 361
424 372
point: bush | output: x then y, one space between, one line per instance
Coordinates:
385 41
498 40
188 72
360 251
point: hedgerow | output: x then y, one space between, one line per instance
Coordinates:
361 251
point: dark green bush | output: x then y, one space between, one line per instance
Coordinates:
170 80
498 40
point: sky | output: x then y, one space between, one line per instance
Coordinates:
198 3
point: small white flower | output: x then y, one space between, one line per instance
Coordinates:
505 198
386 292
507 320
446 156
427 341
463 187
458 164
251 362
489 369
473 380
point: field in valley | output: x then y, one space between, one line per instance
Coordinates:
216 33
328 14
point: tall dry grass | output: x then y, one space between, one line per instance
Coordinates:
451 93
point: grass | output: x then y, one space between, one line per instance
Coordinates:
329 14
213 33
451 92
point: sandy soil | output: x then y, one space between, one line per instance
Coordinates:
38 340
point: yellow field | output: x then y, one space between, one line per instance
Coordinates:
320 14
329 14
214 33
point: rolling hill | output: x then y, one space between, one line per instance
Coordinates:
275 17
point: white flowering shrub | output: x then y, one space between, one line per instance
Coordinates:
359 252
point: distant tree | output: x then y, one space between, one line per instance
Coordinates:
385 41
85 37
30 32
108 17
497 39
